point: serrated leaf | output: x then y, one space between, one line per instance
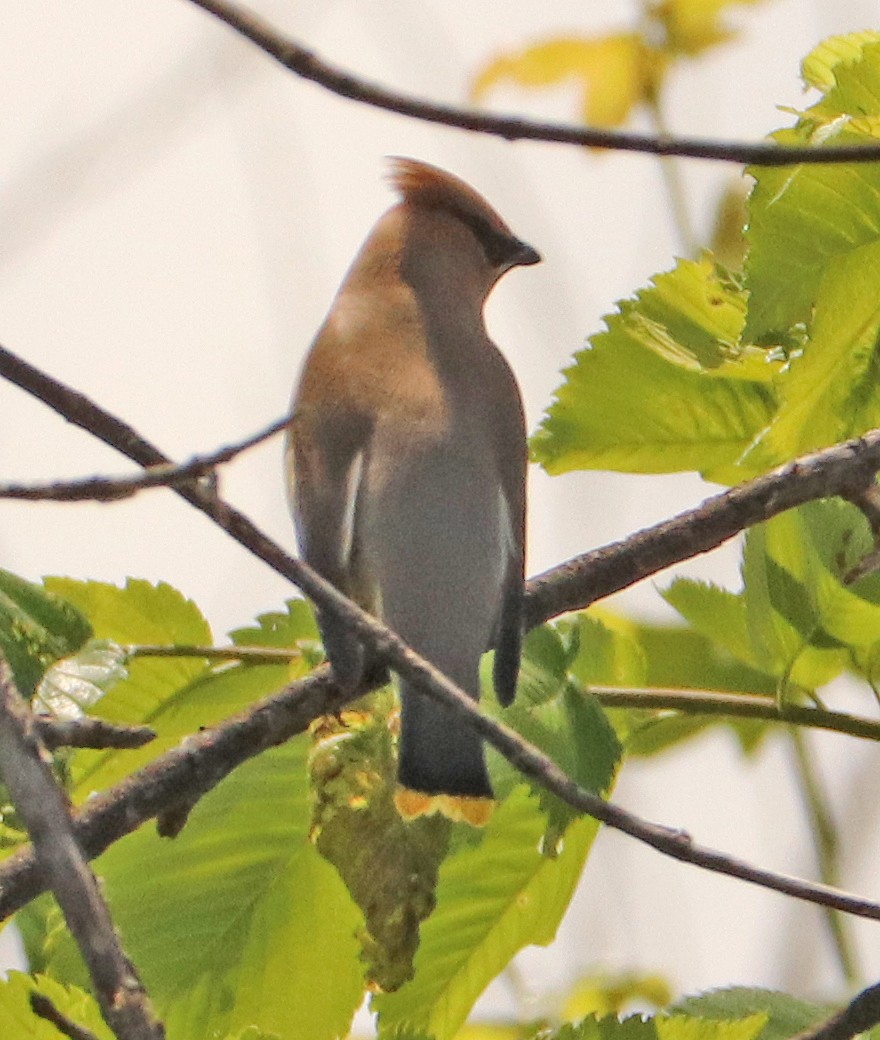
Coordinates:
819 68
666 388
829 392
680 657
37 628
19 1022
802 217
785 1014
757 626
224 924
685 1027
614 72
76 683
558 717
211 697
296 625
492 900
815 545
140 613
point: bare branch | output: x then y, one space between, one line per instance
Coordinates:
842 470
200 766
182 775
685 701
305 63
846 470
43 807
111 489
42 1006
861 1014
90 733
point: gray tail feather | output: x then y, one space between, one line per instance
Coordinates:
439 753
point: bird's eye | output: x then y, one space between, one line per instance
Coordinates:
500 248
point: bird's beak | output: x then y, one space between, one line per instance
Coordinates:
525 256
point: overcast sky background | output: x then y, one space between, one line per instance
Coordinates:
176 213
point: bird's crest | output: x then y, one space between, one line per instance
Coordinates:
426 185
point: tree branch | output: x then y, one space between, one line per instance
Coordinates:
90 732
306 64
42 1006
209 756
736 705
861 1014
185 773
685 701
845 469
111 489
43 807
841 470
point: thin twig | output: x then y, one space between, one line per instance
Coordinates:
90 732
43 807
736 705
305 63
861 1014
41 1005
111 489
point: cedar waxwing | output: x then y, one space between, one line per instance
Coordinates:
407 466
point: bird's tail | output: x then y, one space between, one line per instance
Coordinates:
441 764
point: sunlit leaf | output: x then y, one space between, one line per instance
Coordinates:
691 26
614 73
37 628
802 217
666 388
492 899
830 392
19 1022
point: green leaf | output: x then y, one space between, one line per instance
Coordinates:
140 613
554 713
662 1027
830 391
768 627
295 626
492 900
389 864
802 217
19 1022
666 388
684 658
815 545
821 65
225 922
37 628
785 1015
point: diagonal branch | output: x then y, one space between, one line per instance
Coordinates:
43 807
846 469
110 489
182 775
209 756
861 1014
305 63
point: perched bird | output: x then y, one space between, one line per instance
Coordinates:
407 464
